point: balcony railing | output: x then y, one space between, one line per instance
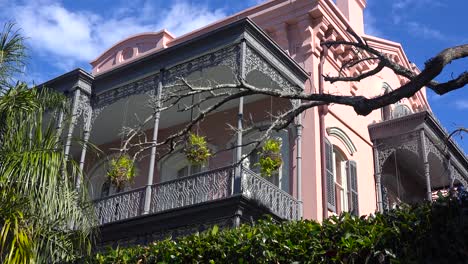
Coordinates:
196 189
267 194
119 206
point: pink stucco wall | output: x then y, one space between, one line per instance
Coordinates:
298 27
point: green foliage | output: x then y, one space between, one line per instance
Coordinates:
43 218
38 199
122 170
196 149
411 234
12 53
270 157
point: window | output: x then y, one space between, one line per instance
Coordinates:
281 179
342 191
401 110
386 110
188 170
177 166
99 185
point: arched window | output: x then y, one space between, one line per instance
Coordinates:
401 110
342 189
99 185
177 166
386 110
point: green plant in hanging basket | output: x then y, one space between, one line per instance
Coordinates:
196 149
270 157
121 170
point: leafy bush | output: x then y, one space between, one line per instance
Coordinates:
270 157
428 233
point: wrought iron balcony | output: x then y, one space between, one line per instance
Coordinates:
196 189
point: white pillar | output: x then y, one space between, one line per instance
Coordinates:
157 117
240 115
299 163
238 174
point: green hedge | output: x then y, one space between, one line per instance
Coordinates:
428 233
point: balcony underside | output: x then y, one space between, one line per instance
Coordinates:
415 158
143 229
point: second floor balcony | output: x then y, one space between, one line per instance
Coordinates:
197 189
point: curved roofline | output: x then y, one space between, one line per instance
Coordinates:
163 31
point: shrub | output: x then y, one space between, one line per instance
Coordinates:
427 233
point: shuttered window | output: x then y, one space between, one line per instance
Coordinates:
352 188
331 197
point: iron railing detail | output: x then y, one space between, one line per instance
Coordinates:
119 206
195 189
269 195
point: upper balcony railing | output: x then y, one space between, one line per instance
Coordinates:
196 189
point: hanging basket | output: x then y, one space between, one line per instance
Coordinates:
196 149
121 171
270 160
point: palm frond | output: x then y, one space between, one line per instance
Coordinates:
12 53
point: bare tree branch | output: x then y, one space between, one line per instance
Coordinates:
211 95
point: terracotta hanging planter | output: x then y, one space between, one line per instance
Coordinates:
196 149
270 157
121 171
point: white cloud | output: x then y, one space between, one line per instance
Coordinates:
399 7
462 104
69 37
402 4
425 32
183 17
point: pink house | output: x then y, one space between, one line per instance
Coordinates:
333 160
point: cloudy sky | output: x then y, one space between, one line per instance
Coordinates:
63 35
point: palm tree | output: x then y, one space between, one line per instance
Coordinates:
43 218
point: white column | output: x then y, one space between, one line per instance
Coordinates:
238 175
299 163
157 117
240 115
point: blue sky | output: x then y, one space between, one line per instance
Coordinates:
63 35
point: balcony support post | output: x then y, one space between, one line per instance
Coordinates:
74 115
426 165
157 116
86 132
299 164
378 177
237 188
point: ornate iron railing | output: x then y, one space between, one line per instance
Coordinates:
269 195
195 189
119 206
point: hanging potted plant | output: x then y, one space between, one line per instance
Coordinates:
196 149
121 171
270 157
